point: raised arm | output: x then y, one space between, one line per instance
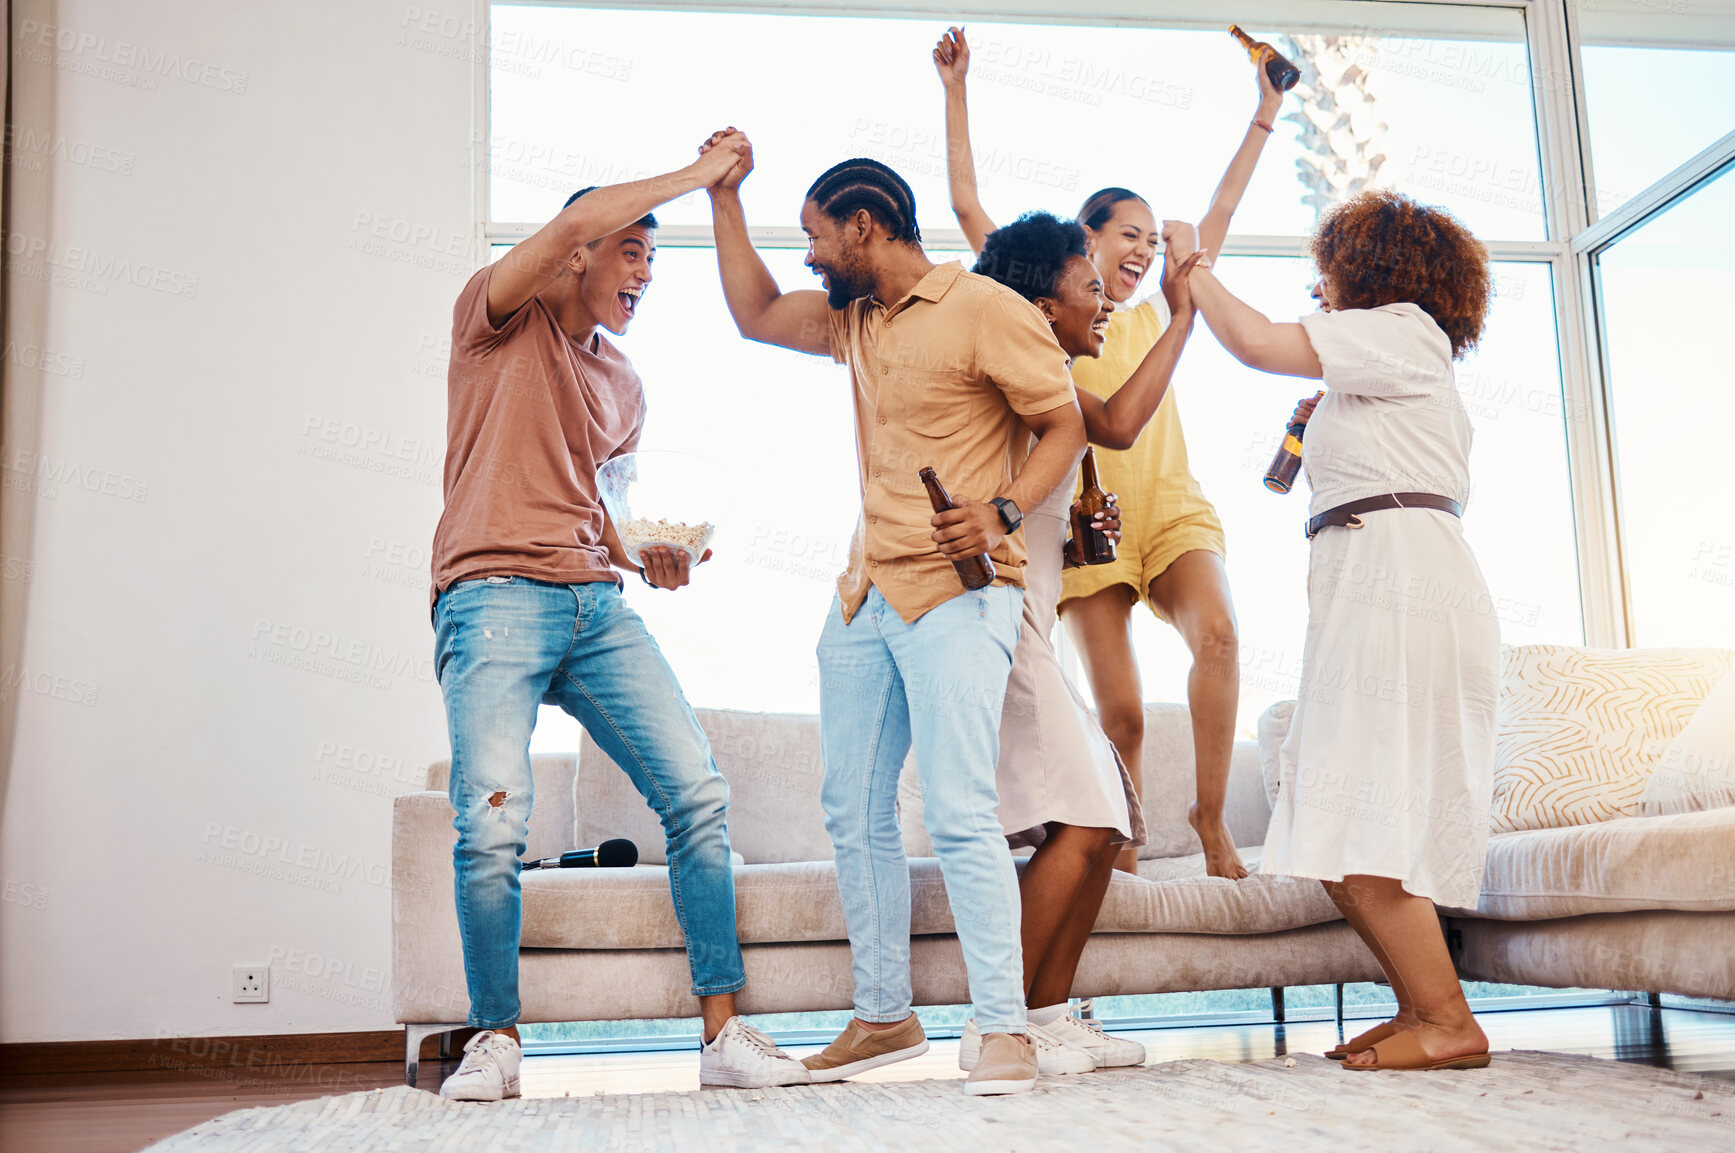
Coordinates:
1243 331
795 320
1215 224
535 263
952 60
1117 421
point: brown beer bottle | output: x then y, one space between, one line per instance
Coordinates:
975 571
1283 74
1286 465
1094 545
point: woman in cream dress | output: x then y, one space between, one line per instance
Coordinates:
1386 777
1062 785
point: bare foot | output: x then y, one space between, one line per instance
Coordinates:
1221 857
1439 1042
1127 861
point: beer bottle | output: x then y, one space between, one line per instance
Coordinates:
975 571
1283 74
1280 477
1094 545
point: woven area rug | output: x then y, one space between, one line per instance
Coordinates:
1303 1104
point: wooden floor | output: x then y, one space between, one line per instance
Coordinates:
120 1112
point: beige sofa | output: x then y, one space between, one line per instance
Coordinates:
604 944
1641 905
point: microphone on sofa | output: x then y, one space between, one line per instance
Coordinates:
614 853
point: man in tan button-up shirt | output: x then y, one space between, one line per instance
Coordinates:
951 371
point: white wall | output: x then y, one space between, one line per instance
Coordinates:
181 799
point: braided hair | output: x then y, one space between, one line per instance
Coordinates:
846 188
1029 254
1098 208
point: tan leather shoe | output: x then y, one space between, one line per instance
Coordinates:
1007 1064
857 1049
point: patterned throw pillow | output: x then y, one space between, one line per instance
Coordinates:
1581 729
1697 770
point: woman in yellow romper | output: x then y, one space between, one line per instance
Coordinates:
1171 549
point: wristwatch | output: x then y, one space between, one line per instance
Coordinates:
1009 514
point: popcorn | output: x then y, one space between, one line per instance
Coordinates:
641 532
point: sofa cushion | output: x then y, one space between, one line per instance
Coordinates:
551 817
1166 785
1697 770
1179 898
772 764
1273 730
1168 788
631 908
1580 729
1169 784
1684 862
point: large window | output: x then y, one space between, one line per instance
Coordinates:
1659 259
1656 82
1650 109
1441 110
1439 101
1439 107
1667 289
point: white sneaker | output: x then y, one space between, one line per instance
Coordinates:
489 1071
1108 1052
741 1057
1053 1056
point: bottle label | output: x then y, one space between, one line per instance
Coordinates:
1291 444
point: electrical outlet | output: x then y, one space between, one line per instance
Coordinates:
251 983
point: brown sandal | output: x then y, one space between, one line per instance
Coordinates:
1403 1051
1357 1044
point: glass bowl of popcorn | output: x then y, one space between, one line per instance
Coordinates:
662 498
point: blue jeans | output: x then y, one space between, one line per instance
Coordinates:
504 645
940 684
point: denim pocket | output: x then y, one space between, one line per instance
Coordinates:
469 583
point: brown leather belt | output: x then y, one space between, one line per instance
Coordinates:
1345 515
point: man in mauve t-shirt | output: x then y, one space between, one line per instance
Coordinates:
528 608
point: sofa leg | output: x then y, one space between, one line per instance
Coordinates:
414 1035
1277 1004
1340 1011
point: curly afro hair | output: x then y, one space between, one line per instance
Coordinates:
1380 247
1029 254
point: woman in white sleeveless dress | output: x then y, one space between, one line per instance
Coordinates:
1385 779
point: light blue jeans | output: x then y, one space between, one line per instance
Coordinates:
939 684
504 645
